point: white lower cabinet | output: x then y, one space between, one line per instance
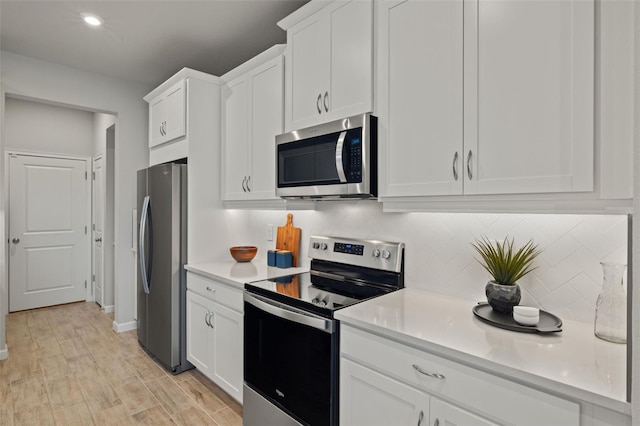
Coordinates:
215 332
375 399
384 382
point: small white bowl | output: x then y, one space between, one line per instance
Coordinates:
526 315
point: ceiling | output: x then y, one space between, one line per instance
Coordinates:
144 41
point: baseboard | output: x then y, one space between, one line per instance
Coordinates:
4 353
127 326
108 309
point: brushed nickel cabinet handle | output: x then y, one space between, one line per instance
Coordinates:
434 375
244 189
324 101
455 166
420 418
318 103
248 187
469 165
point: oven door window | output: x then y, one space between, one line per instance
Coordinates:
290 364
318 161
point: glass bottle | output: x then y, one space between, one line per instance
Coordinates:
611 306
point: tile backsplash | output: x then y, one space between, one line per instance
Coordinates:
439 256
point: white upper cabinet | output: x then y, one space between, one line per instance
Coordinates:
485 97
529 96
420 74
167 115
252 116
180 113
329 72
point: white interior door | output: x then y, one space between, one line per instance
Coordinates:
48 245
98 229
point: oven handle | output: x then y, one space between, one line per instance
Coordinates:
287 313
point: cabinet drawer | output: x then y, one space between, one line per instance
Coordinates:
467 387
215 291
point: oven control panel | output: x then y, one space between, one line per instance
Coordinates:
376 254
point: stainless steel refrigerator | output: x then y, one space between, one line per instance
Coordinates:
162 253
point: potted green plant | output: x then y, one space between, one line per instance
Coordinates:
506 265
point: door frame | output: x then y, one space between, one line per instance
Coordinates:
87 215
94 276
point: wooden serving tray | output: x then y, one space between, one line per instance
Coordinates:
548 323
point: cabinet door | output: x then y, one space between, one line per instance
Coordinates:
351 45
235 139
420 106
529 96
168 115
370 398
199 347
307 71
266 121
444 414
227 350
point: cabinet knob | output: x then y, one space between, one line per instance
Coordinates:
318 103
15 240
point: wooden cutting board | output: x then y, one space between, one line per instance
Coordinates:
288 238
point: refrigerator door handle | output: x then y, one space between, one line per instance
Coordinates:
141 254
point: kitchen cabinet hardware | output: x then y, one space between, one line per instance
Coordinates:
206 318
248 180
455 166
434 375
244 188
15 240
420 417
436 422
98 240
324 101
318 103
212 290
469 165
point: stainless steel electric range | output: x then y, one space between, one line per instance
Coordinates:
291 339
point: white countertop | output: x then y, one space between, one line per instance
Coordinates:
237 273
572 362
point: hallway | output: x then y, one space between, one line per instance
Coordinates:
67 366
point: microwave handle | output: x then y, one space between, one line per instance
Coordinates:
339 165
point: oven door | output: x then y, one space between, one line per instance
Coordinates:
290 359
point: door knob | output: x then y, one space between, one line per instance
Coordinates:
15 240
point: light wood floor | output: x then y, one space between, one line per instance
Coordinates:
67 366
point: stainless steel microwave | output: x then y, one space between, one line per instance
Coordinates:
332 160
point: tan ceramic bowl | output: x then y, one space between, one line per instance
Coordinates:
243 253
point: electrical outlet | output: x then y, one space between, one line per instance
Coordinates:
270 232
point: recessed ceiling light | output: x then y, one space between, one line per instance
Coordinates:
93 20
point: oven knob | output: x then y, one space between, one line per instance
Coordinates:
376 253
323 246
386 254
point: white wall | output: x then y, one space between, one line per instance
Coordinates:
100 124
44 81
438 254
45 128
